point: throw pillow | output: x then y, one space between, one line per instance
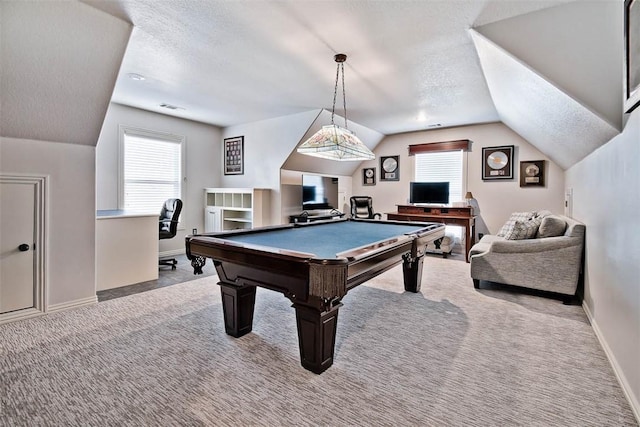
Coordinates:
516 216
552 226
543 213
524 229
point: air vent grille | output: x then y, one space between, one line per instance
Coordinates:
170 106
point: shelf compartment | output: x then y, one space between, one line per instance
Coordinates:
231 208
247 220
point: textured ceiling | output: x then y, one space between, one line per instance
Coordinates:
411 64
560 127
55 84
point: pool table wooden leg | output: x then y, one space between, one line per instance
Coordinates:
316 336
412 272
237 305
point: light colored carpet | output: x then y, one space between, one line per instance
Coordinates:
448 356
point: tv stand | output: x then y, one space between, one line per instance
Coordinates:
311 217
430 205
448 215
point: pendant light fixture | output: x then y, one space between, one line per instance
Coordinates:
332 141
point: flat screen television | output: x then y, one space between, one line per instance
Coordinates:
319 192
429 192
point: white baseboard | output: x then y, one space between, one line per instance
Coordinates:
32 312
626 388
14 316
72 304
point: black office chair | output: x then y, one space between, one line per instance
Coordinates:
169 225
362 207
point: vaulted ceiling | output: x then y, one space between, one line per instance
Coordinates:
550 70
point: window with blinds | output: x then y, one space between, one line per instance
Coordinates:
441 166
151 170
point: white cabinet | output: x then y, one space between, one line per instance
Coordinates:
233 208
212 218
126 248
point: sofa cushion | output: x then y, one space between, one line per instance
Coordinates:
524 229
516 216
552 226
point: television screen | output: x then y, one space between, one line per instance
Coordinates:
429 192
319 192
308 194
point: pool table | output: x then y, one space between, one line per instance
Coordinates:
314 265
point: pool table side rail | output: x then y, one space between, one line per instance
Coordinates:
211 241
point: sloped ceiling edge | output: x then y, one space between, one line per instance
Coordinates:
556 124
60 64
578 46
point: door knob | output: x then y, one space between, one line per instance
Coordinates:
23 247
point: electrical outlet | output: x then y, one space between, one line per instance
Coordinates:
194 231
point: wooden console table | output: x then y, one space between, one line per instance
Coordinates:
462 217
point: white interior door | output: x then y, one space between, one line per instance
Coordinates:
17 244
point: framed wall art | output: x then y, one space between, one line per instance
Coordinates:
532 173
369 176
497 162
234 155
631 55
389 168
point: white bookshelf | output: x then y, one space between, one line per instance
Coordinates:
235 208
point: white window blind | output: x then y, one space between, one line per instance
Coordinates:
152 171
441 166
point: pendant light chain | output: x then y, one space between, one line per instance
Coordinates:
333 142
339 69
335 93
344 97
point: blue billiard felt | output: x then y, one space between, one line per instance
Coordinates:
326 240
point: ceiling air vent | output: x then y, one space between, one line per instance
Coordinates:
171 107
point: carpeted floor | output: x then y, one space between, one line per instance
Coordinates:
448 356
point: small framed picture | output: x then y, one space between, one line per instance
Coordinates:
497 162
389 168
631 55
532 173
234 155
369 176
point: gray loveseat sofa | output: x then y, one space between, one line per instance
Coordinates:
548 259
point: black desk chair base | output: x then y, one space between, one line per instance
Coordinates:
171 261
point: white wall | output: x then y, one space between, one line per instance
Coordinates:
496 199
606 197
267 144
70 273
203 163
